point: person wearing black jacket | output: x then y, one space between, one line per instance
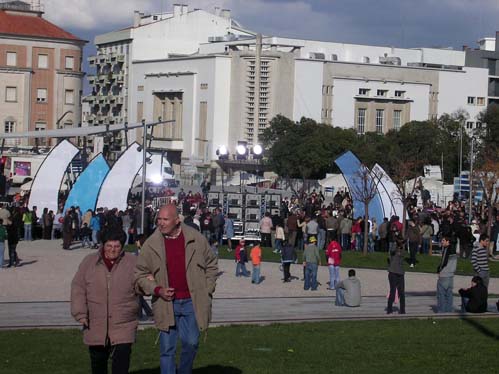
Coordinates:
288 256
474 299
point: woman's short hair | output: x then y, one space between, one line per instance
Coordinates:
111 235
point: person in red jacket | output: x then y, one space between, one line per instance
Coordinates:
241 258
333 254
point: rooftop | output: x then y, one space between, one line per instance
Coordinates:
26 22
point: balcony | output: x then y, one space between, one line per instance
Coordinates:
120 58
91 60
91 79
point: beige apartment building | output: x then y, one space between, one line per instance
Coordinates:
40 73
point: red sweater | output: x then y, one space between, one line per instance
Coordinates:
175 264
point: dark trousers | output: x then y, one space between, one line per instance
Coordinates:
331 235
383 244
266 240
397 283
13 260
67 238
413 250
119 354
285 269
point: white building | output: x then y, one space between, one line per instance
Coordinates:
223 84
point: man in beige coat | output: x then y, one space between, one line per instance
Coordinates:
103 300
184 271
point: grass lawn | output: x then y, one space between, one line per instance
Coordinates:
397 346
376 260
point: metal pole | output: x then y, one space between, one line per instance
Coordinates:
460 154
471 181
144 167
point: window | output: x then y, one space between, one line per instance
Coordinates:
471 100
399 93
69 97
364 91
480 101
366 60
11 58
334 57
204 86
70 63
43 61
478 125
381 93
11 94
41 95
469 125
41 126
10 127
380 114
397 114
361 120
140 88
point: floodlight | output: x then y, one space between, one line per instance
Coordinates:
257 150
156 178
241 149
222 152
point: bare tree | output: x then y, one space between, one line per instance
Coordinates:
405 172
364 189
488 176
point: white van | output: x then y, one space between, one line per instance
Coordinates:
21 169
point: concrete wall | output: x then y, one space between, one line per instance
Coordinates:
308 89
455 88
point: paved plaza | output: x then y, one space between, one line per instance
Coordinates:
37 293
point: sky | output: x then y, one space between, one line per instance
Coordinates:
398 23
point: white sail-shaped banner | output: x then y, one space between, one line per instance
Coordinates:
47 183
114 191
389 192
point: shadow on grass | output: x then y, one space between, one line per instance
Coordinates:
217 369
480 328
211 369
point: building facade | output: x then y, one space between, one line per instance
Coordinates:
222 84
40 73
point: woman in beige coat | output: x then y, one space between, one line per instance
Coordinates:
103 300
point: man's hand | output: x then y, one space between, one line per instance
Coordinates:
167 294
84 323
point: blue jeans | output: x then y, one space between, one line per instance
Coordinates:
95 241
371 242
278 245
85 242
310 276
241 270
444 295
255 277
340 297
187 328
321 238
2 252
27 232
345 242
426 245
334 275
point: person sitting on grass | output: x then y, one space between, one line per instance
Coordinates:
348 291
474 299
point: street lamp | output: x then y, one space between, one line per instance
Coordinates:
222 152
